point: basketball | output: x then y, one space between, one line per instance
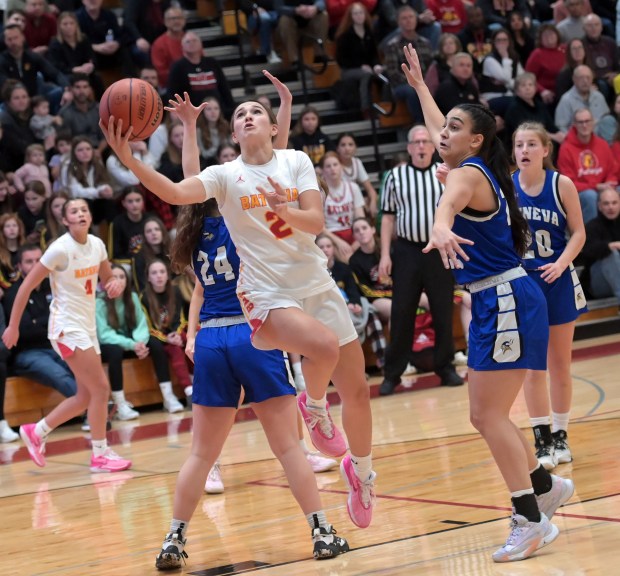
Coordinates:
136 103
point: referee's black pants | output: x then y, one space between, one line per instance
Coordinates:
413 272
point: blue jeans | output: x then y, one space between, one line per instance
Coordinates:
588 200
45 367
605 276
266 24
409 95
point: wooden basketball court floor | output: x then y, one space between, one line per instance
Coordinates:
442 507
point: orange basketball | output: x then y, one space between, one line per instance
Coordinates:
136 103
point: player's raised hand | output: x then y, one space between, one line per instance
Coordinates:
283 92
412 70
184 109
113 133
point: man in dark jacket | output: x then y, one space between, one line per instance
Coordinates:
33 356
602 248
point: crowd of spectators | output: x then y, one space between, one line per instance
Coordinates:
557 63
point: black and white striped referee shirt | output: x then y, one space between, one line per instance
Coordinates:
412 194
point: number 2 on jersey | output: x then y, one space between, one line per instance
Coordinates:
279 228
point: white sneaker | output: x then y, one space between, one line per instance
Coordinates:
214 484
6 433
460 359
561 491
320 463
525 538
172 404
125 411
273 58
545 454
410 370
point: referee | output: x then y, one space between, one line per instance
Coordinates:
409 200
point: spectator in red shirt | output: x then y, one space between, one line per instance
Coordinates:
40 26
450 14
167 48
588 161
546 61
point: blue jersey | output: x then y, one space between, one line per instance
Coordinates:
493 251
216 264
547 219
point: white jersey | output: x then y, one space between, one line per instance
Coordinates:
275 257
74 271
356 172
340 206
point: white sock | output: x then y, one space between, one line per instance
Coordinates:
362 465
542 421
560 421
99 447
304 446
118 397
42 429
296 368
176 524
317 520
320 404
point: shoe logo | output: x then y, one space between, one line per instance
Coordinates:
240 179
507 346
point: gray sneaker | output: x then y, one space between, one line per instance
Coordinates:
561 491
525 538
327 544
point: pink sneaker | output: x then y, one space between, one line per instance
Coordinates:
320 463
323 433
109 461
36 446
361 498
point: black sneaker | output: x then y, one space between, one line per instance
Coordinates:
449 377
562 450
387 387
327 544
172 552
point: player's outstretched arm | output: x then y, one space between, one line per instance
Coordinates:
188 191
284 111
188 114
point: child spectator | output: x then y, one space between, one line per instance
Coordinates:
343 203
353 170
213 130
307 135
6 197
60 153
34 168
125 233
163 305
32 211
120 177
365 320
53 228
11 238
364 264
42 123
226 152
156 245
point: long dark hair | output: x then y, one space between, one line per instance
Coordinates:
151 300
494 155
130 310
189 227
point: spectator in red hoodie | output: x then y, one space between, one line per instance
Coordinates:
588 161
450 14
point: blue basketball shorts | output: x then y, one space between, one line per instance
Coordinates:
565 297
509 328
225 361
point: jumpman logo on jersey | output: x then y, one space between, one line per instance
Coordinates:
506 346
240 179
